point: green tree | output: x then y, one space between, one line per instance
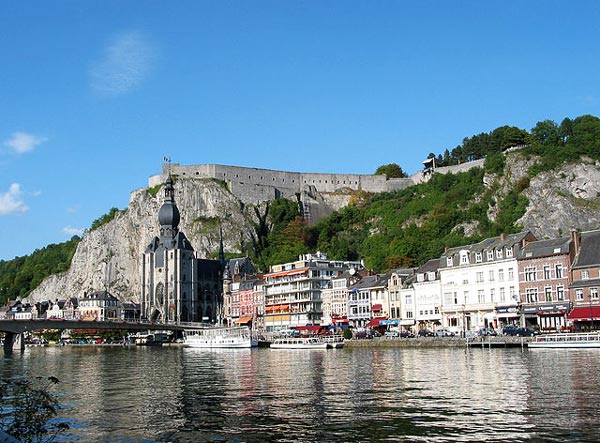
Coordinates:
391 170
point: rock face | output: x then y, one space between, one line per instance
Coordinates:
109 257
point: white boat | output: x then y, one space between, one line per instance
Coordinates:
299 343
149 340
334 341
236 337
566 340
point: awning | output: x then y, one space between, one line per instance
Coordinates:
243 320
310 328
375 308
375 322
585 313
285 273
406 322
340 320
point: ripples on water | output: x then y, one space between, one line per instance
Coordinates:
115 394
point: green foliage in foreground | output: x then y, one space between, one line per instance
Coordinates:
27 409
18 277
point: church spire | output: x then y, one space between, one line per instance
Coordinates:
168 215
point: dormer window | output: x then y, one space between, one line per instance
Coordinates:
449 261
498 253
509 252
464 258
431 276
490 255
420 277
478 257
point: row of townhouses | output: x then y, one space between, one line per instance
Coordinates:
516 279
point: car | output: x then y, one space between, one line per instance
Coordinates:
426 333
391 334
444 333
518 332
406 334
487 332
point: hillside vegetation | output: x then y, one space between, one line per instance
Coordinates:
403 228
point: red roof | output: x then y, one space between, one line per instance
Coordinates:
585 313
375 322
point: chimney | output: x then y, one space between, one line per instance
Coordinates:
575 240
503 236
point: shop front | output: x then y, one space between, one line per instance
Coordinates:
547 317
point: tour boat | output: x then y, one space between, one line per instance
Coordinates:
334 341
299 343
148 340
236 337
566 340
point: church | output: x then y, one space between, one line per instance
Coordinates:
178 286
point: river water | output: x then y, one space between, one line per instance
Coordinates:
175 394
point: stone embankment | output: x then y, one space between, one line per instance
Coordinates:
441 342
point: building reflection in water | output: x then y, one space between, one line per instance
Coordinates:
190 395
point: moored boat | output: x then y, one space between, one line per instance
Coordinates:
299 343
566 340
334 341
210 337
148 340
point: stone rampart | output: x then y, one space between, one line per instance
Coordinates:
254 185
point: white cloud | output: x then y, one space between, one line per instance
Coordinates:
125 63
73 231
21 142
11 202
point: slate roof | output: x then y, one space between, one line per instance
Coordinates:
545 248
589 250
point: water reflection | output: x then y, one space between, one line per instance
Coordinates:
427 395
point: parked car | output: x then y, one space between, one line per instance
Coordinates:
444 333
391 334
485 332
518 332
406 334
426 333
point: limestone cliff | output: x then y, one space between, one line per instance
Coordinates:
109 256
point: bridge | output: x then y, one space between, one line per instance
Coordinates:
14 329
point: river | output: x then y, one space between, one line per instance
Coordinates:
175 394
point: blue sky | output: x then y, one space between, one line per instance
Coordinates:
93 94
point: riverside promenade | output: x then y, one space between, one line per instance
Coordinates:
439 342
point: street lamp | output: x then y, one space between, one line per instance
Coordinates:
464 325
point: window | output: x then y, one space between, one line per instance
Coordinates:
448 261
560 292
511 274
594 293
479 277
513 295
409 314
492 294
478 257
559 271
531 295
464 258
420 278
431 276
585 274
502 294
481 296
547 273
530 273
498 253
509 252
579 294
500 274
548 293
490 255
491 275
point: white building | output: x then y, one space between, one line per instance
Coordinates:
428 296
476 279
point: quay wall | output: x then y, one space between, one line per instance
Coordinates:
442 342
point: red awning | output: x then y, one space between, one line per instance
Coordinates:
585 313
376 308
243 320
340 320
375 322
311 328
